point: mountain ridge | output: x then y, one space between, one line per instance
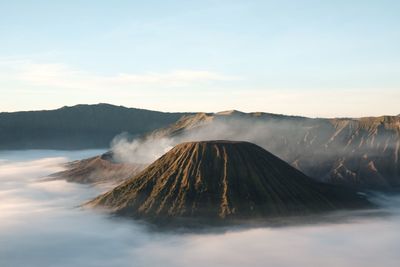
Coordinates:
77 127
362 152
222 179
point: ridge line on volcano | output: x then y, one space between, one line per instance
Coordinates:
220 180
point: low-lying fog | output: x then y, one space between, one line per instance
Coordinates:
40 225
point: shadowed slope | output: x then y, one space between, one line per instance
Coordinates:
223 179
77 127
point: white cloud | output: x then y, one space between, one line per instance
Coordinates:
26 85
63 76
41 226
173 78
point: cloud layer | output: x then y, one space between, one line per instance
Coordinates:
41 226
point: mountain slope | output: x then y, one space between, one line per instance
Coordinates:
97 170
223 179
77 127
361 152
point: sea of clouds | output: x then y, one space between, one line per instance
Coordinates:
41 224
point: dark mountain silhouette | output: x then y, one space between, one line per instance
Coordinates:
223 180
362 152
77 127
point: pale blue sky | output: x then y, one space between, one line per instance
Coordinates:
314 58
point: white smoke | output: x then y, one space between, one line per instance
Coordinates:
313 146
146 150
140 151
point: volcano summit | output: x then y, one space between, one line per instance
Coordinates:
223 180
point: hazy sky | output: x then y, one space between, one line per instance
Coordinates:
314 58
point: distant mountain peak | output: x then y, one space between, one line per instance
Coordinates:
230 112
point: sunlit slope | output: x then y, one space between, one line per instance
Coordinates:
223 179
362 152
